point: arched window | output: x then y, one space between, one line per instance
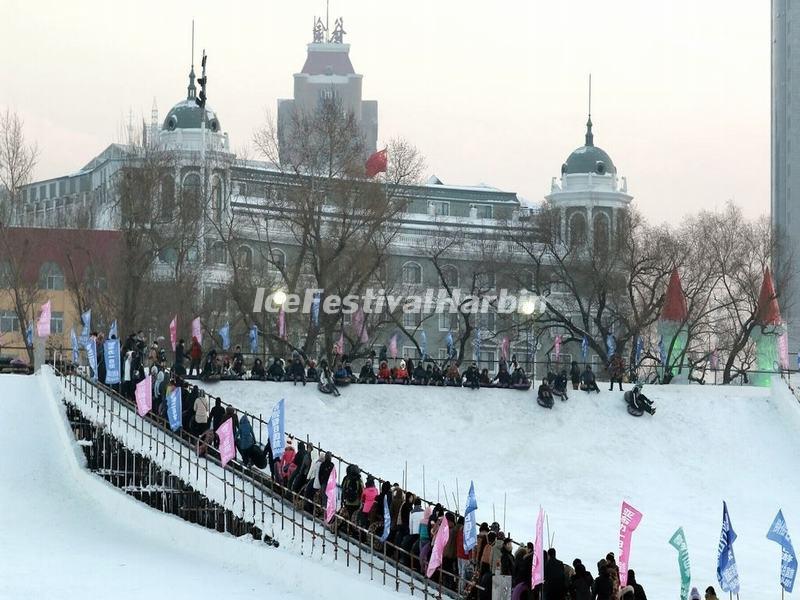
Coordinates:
51 277
450 276
168 256
244 257
6 274
277 260
601 228
167 196
577 229
192 188
412 273
217 197
217 254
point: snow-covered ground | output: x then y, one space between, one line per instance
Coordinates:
65 533
579 461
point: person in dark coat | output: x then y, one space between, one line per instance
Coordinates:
297 371
580 584
616 371
603 586
217 414
575 375
588 381
325 471
367 373
473 377
180 356
554 577
258 372
638 590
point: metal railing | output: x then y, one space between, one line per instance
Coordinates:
254 496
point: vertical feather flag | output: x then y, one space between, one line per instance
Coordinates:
557 347
585 348
471 520
423 344
254 339
504 345
281 324
611 345
338 347
360 326
43 326
225 334
639 348
451 347
439 543
73 340
173 332
537 572
476 344
393 346
315 309
727 573
197 330
331 493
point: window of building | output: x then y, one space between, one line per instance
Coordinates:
56 322
484 281
8 321
410 352
486 321
411 320
216 299
51 277
412 273
440 208
168 256
167 196
450 276
244 257
448 321
217 253
577 229
192 191
601 230
277 259
217 197
483 211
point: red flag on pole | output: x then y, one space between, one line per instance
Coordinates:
377 163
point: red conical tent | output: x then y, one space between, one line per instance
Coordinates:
768 312
675 302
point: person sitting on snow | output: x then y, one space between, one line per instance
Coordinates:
367 373
560 385
545 393
258 372
502 378
296 371
518 377
275 371
436 378
453 377
472 377
311 371
327 385
402 373
588 381
384 373
420 374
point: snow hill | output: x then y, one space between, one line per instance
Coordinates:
579 461
68 534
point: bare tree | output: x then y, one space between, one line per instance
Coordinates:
328 226
17 162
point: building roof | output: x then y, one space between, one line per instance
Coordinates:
588 158
187 115
328 59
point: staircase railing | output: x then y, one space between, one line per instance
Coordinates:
253 495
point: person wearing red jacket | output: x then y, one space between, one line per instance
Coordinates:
384 374
401 373
463 558
195 356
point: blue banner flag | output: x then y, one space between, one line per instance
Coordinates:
471 520
175 409
662 355
112 358
727 575
585 348
387 519
29 335
86 319
779 533
73 340
476 344
277 429
423 344
112 331
611 345
91 354
225 334
254 339
639 348
315 309
451 350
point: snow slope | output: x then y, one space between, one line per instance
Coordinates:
579 461
68 534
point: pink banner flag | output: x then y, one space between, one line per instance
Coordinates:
714 360
629 521
393 346
360 326
504 348
537 572
439 542
144 396
173 332
338 346
197 330
557 346
281 324
783 350
43 326
227 448
330 492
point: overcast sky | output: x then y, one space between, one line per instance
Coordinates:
489 92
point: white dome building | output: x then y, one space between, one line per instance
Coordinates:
589 195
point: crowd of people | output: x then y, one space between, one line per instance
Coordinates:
303 472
